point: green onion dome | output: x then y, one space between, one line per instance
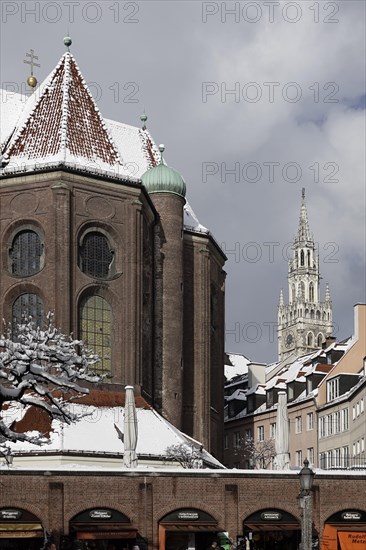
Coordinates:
163 179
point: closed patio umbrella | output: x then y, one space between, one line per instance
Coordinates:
282 461
130 429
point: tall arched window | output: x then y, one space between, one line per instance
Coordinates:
311 292
26 253
308 258
320 340
96 255
302 258
95 322
303 290
293 293
310 339
27 305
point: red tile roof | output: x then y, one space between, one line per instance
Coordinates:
64 124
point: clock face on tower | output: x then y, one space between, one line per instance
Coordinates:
289 340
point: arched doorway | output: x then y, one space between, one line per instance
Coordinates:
272 529
187 528
345 530
101 528
20 530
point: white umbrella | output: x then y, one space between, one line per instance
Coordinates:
130 429
282 461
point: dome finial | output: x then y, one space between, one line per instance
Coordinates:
31 80
161 149
67 42
143 119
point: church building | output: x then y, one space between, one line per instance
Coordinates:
95 226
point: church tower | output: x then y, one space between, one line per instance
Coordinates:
305 322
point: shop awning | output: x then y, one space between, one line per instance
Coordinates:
349 540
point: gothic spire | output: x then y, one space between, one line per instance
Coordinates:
303 233
327 293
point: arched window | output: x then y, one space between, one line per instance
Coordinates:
302 258
303 290
27 305
312 314
96 255
318 315
26 253
95 323
320 340
293 293
310 339
309 258
311 292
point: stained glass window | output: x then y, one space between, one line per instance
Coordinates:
96 255
26 253
28 305
95 318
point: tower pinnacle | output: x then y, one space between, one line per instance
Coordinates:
303 233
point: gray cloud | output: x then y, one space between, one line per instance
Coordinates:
165 58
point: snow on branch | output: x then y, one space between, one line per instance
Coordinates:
43 369
186 456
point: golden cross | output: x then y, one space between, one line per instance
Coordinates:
31 62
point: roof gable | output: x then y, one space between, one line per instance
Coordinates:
64 126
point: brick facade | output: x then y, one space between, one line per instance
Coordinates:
146 497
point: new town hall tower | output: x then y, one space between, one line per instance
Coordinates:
305 322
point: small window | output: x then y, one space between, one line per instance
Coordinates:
298 424
311 455
273 430
299 459
236 442
26 254
96 255
310 421
260 433
344 426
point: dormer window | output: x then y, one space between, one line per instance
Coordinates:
332 389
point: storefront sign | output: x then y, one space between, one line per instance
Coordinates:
10 514
351 516
271 516
188 516
100 514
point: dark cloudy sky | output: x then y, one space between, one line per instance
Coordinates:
253 101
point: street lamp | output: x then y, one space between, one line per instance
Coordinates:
306 482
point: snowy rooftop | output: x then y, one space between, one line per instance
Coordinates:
61 125
238 365
95 434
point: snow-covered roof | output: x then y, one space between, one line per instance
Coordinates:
95 434
59 124
238 365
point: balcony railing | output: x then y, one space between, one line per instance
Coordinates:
343 463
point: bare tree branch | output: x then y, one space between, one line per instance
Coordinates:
259 453
188 457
